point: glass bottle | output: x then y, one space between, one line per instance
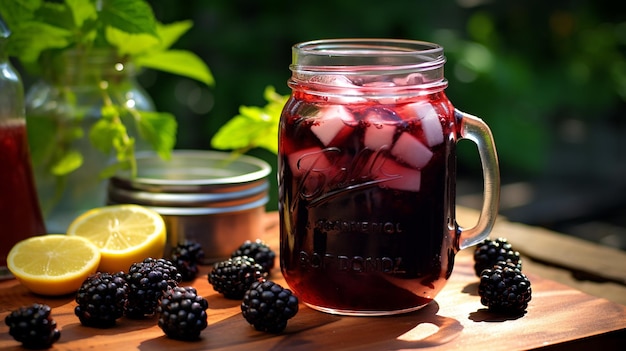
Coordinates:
61 108
20 215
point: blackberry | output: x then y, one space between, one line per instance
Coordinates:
235 275
182 313
490 252
147 281
101 299
33 326
185 256
504 288
259 251
268 306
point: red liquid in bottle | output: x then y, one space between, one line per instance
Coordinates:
367 194
20 215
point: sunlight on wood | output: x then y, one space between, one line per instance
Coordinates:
420 332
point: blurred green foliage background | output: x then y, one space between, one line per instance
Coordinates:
549 77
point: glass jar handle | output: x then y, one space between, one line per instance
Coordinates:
474 129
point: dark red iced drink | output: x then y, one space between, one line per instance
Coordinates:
367 191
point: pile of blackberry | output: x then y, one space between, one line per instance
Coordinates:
185 256
182 313
259 251
235 275
147 281
503 288
33 326
268 306
265 305
152 287
101 299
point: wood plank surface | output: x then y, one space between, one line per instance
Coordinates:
557 315
587 266
584 257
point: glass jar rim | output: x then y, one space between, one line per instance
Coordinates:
375 46
367 67
368 53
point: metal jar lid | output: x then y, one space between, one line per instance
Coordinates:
207 181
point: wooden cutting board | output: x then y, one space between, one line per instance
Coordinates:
557 315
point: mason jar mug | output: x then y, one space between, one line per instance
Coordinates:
367 172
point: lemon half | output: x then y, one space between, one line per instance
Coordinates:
125 234
53 264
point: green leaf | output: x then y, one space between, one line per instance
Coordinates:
136 44
14 13
124 147
104 135
130 44
236 134
253 126
70 161
111 135
170 33
131 16
159 129
35 37
82 10
181 62
274 99
55 14
109 112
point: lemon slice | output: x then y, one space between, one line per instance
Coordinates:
53 264
125 234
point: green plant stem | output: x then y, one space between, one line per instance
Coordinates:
128 143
